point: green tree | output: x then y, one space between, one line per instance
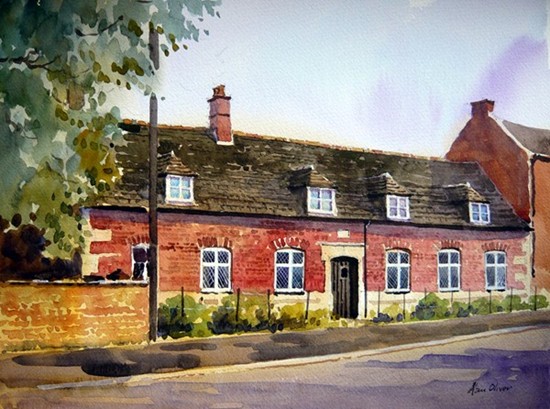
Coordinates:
59 62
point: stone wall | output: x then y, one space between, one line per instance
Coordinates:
72 315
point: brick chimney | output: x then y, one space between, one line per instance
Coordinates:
482 108
220 118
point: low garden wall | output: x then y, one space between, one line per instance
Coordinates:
72 314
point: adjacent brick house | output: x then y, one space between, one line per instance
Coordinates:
517 159
344 226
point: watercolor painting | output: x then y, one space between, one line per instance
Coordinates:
274 204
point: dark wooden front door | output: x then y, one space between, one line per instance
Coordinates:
345 287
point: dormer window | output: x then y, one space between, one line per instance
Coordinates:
480 213
321 200
397 207
179 189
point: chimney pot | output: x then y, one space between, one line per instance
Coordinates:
482 108
220 116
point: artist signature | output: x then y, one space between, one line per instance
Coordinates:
493 387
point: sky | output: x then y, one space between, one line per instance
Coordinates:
391 75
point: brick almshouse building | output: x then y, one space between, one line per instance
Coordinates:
255 213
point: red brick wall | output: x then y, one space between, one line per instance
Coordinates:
64 315
541 222
482 140
252 242
424 244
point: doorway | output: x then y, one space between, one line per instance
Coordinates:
345 287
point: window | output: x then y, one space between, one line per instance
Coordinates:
179 189
321 200
495 270
215 269
140 261
397 271
289 270
448 267
479 213
397 207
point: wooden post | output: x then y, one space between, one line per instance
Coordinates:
535 301
469 298
182 302
511 297
490 302
403 306
425 294
153 176
268 305
238 304
307 306
378 310
452 294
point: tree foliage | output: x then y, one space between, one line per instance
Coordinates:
60 61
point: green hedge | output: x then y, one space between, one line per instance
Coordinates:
253 315
432 307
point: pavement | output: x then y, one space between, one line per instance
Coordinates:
168 358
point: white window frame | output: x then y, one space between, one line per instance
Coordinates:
402 202
321 190
476 209
497 266
291 266
399 265
181 189
144 246
217 265
446 268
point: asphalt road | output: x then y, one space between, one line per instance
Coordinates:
504 370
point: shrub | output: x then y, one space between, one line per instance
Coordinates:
200 321
431 307
462 310
21 254
485 306
176 325
514 302
541 302
381 317
393 312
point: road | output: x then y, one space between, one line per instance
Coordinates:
505 370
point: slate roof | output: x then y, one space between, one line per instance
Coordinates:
262 176
385 184
464 193
535 140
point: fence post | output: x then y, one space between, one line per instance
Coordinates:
238 304
490 302
535 301
378 311
425 294
452 294
403 306
511 297
182 302
307 306
469 299
268 305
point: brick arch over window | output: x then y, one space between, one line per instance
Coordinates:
495 246
137 239
396 244
449 245
210 241
289 242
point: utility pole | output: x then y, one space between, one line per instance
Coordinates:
153 180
